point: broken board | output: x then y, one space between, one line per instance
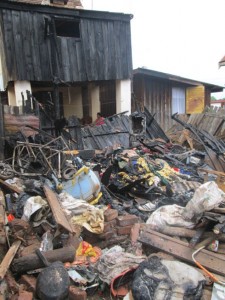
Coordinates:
57 211
210 260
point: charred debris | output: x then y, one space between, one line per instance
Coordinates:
116 210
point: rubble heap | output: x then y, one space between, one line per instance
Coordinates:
139 222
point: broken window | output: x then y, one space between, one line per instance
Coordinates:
67 28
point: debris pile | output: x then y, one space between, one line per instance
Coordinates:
135 218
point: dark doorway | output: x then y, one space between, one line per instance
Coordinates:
108 98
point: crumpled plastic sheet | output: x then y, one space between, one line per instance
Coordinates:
82 213
114 261
157 278
169 215
205 198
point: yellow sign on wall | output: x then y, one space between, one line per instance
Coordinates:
195 99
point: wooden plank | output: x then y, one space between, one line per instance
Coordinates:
179 232
10 187
57 211
210 260
27 37
5 264
2 219
18 40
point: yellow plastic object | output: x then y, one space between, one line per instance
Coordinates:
96 199
85 249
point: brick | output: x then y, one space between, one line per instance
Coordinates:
29 281
77 294
110 214
135 231
124 230
24 295
127 220
107 235
109 225
113 241
13 286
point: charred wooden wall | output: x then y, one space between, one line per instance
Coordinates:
2 134
156 95
103 51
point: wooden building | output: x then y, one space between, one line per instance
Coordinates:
165 94
74 61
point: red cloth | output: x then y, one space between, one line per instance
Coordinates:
100 121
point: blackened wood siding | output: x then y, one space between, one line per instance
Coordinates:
156 95
102 53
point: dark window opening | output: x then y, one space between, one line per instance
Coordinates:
67 28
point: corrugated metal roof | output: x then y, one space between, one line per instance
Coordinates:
70 4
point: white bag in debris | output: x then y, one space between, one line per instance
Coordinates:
206 197
169 215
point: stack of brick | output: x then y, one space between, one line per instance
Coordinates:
117 229
125 223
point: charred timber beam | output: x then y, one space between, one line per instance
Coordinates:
32 262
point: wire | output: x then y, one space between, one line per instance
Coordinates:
214 278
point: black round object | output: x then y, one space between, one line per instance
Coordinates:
53 282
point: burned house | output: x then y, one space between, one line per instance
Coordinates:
73 61
165 94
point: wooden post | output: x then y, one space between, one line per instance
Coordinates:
2 132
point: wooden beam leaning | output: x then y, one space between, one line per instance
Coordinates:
57 211
10 187
210 260
5 264
2 219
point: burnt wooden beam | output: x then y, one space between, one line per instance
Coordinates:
210 260
32 262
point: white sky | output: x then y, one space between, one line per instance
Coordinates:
184 38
